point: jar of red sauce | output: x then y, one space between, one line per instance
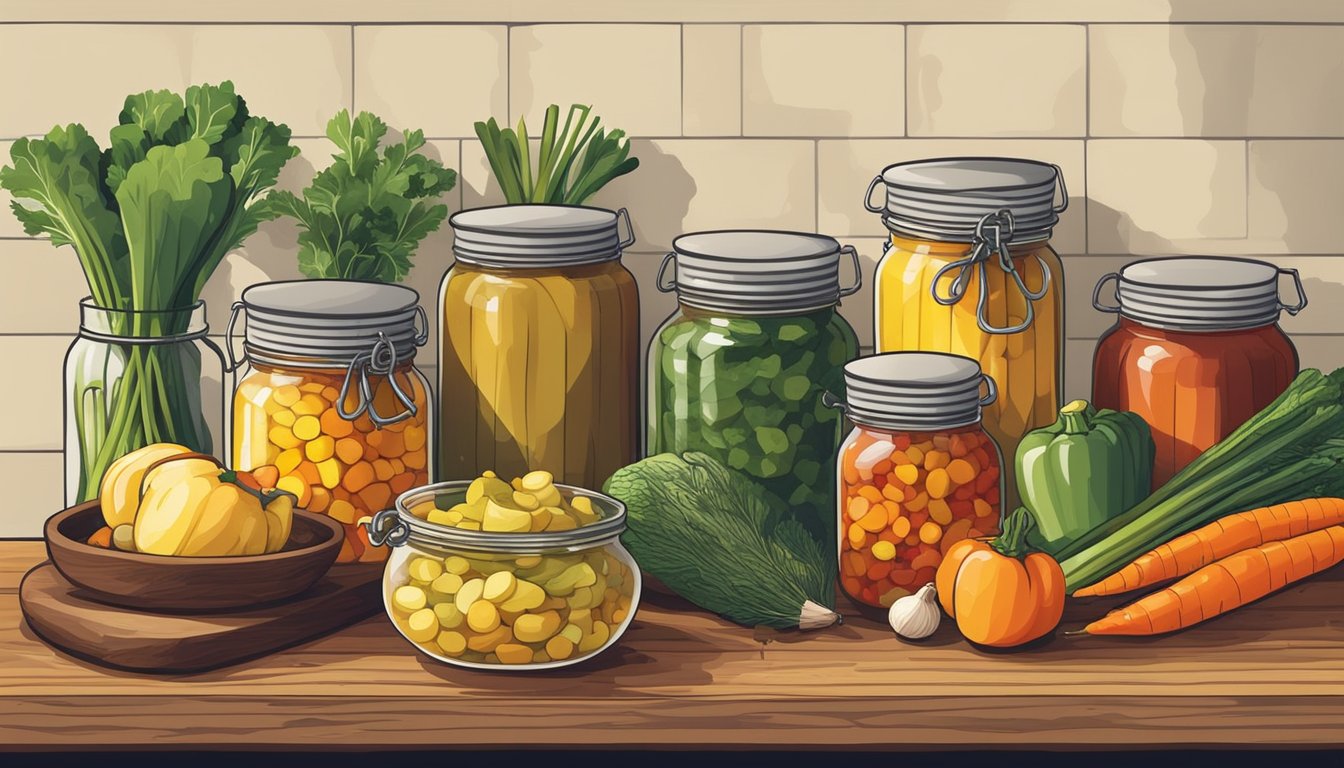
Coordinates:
1196 350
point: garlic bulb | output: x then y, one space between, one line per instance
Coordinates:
916 616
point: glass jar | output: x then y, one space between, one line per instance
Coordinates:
969 270
331 406
1196 350
918 473
123 359
739 370
578 589
539 335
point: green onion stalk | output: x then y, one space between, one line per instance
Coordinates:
184 180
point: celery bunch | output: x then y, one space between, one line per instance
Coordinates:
572 164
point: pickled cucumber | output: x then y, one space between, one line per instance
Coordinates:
747 390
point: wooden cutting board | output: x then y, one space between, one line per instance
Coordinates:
67 617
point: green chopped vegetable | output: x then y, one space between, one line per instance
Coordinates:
717 539
363 217
1291 450
562 176
748 392
181 184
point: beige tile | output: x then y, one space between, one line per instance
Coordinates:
1296 197
1166 196
629 73
35 398
858 308
1217 80
294 74
440 79
36 487
46 298
711 99
1323 352
1322 281
997 80
845 168
1078 369
683 185
823 80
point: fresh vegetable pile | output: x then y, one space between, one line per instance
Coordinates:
711 536
180 185
362 218
1293 449
572 164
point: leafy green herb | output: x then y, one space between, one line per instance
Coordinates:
181 184
562 177
363 217
717 539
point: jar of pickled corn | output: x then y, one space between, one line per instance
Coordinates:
491 575
918 473
330 405
539 335
969 270
738 371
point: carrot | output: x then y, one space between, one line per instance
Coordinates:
1224 536
1226 584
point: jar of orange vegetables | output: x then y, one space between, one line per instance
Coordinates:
331 406
918 473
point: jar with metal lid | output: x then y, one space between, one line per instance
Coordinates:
331 406
739 369
1196 350
536 600
969 270
539 335
918 473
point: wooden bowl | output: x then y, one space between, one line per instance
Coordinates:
171 583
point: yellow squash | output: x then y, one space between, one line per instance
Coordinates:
184 503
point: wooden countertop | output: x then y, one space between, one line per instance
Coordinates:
1270 674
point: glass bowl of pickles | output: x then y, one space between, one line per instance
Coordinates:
491 574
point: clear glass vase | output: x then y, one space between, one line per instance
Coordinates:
138 377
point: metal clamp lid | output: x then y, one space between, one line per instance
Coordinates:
993 234
1197 293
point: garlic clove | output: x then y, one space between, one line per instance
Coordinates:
915 617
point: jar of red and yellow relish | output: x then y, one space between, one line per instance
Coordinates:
917 474
331 407
1196 350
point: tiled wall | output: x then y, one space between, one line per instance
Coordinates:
1175 138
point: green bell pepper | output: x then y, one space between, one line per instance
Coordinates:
1086 468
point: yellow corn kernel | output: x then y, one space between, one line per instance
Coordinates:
422 626
940 512
408 599
468 594
452 643
499 586
286 395
930 533
288 460
344 512
483 616
283 438
447 583
456 565
320 448
309 405
295 485
283 418
306 427
884 550
329 472
425 568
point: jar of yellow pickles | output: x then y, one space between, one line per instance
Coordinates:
331 406
969 271
491 575
539 334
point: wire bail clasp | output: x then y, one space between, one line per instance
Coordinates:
993 235
381 360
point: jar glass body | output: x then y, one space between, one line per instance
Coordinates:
1193 388
135 378
748 391
1027 366
288 431
540 366
905 498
